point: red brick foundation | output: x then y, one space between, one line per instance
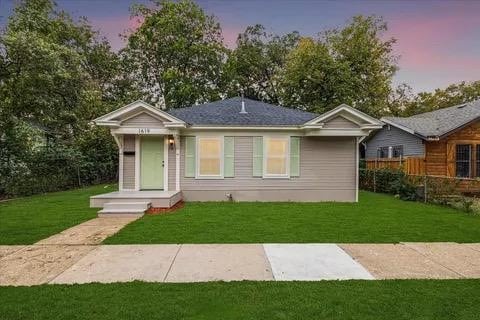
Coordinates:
177 206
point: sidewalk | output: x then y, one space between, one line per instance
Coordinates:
235 262
76 256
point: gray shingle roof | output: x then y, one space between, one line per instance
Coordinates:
440 122
227 112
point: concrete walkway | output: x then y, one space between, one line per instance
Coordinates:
39 264
76 256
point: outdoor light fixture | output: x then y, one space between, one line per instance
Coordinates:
171 142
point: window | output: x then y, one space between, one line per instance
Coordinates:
210 160
276 157
462 160
382 152
397 152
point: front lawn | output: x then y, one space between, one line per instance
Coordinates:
376 218
401 299
28 220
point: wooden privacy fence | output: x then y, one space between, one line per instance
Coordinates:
410 165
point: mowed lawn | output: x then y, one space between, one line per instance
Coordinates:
376 218
402 299
30 219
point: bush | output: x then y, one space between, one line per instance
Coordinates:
389 181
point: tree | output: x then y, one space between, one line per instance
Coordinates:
362 61
256 62
177 54
57 75
442 98
312 80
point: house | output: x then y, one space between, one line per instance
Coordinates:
446 140
234 149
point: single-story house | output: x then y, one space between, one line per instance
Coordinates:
448 140
234 149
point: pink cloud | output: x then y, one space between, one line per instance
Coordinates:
442 43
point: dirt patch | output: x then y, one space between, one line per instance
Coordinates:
397 261
37 264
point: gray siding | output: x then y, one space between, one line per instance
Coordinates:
412 145
171 169
340 122
129 162
327 172
143 120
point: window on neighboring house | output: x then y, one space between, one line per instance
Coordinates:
209 157
478 160
276 157
383 152
462 160
397 151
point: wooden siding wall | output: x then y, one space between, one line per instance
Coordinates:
440 155
325 164
411 165
129 162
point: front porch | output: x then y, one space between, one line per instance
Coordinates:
134 202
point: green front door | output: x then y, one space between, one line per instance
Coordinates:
151 163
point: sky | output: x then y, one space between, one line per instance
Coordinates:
438 41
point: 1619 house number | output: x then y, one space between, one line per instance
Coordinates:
143 130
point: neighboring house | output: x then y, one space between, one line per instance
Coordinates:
448 140
235 150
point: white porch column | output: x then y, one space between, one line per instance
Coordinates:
177 161
119 140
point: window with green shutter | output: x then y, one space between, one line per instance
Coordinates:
294 156
190 151
257 156
229 157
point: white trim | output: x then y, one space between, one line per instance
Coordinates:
165 163
137 163
357 171
177 162
143 131
344 108
136 105
337 132
399 126
197 157
266 175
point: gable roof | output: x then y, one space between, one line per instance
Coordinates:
227 112
439 123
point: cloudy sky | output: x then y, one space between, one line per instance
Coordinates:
438 41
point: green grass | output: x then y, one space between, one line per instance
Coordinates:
376 218
402 299
28 220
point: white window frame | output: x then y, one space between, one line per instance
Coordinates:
198 175
266 175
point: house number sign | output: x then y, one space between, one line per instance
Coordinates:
143 130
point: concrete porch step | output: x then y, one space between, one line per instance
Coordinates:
136 205
123 208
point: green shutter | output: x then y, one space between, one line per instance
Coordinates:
190 152
294 156
229 157
257 156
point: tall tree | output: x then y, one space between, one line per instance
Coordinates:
256 62
57 75
177 53
362 62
